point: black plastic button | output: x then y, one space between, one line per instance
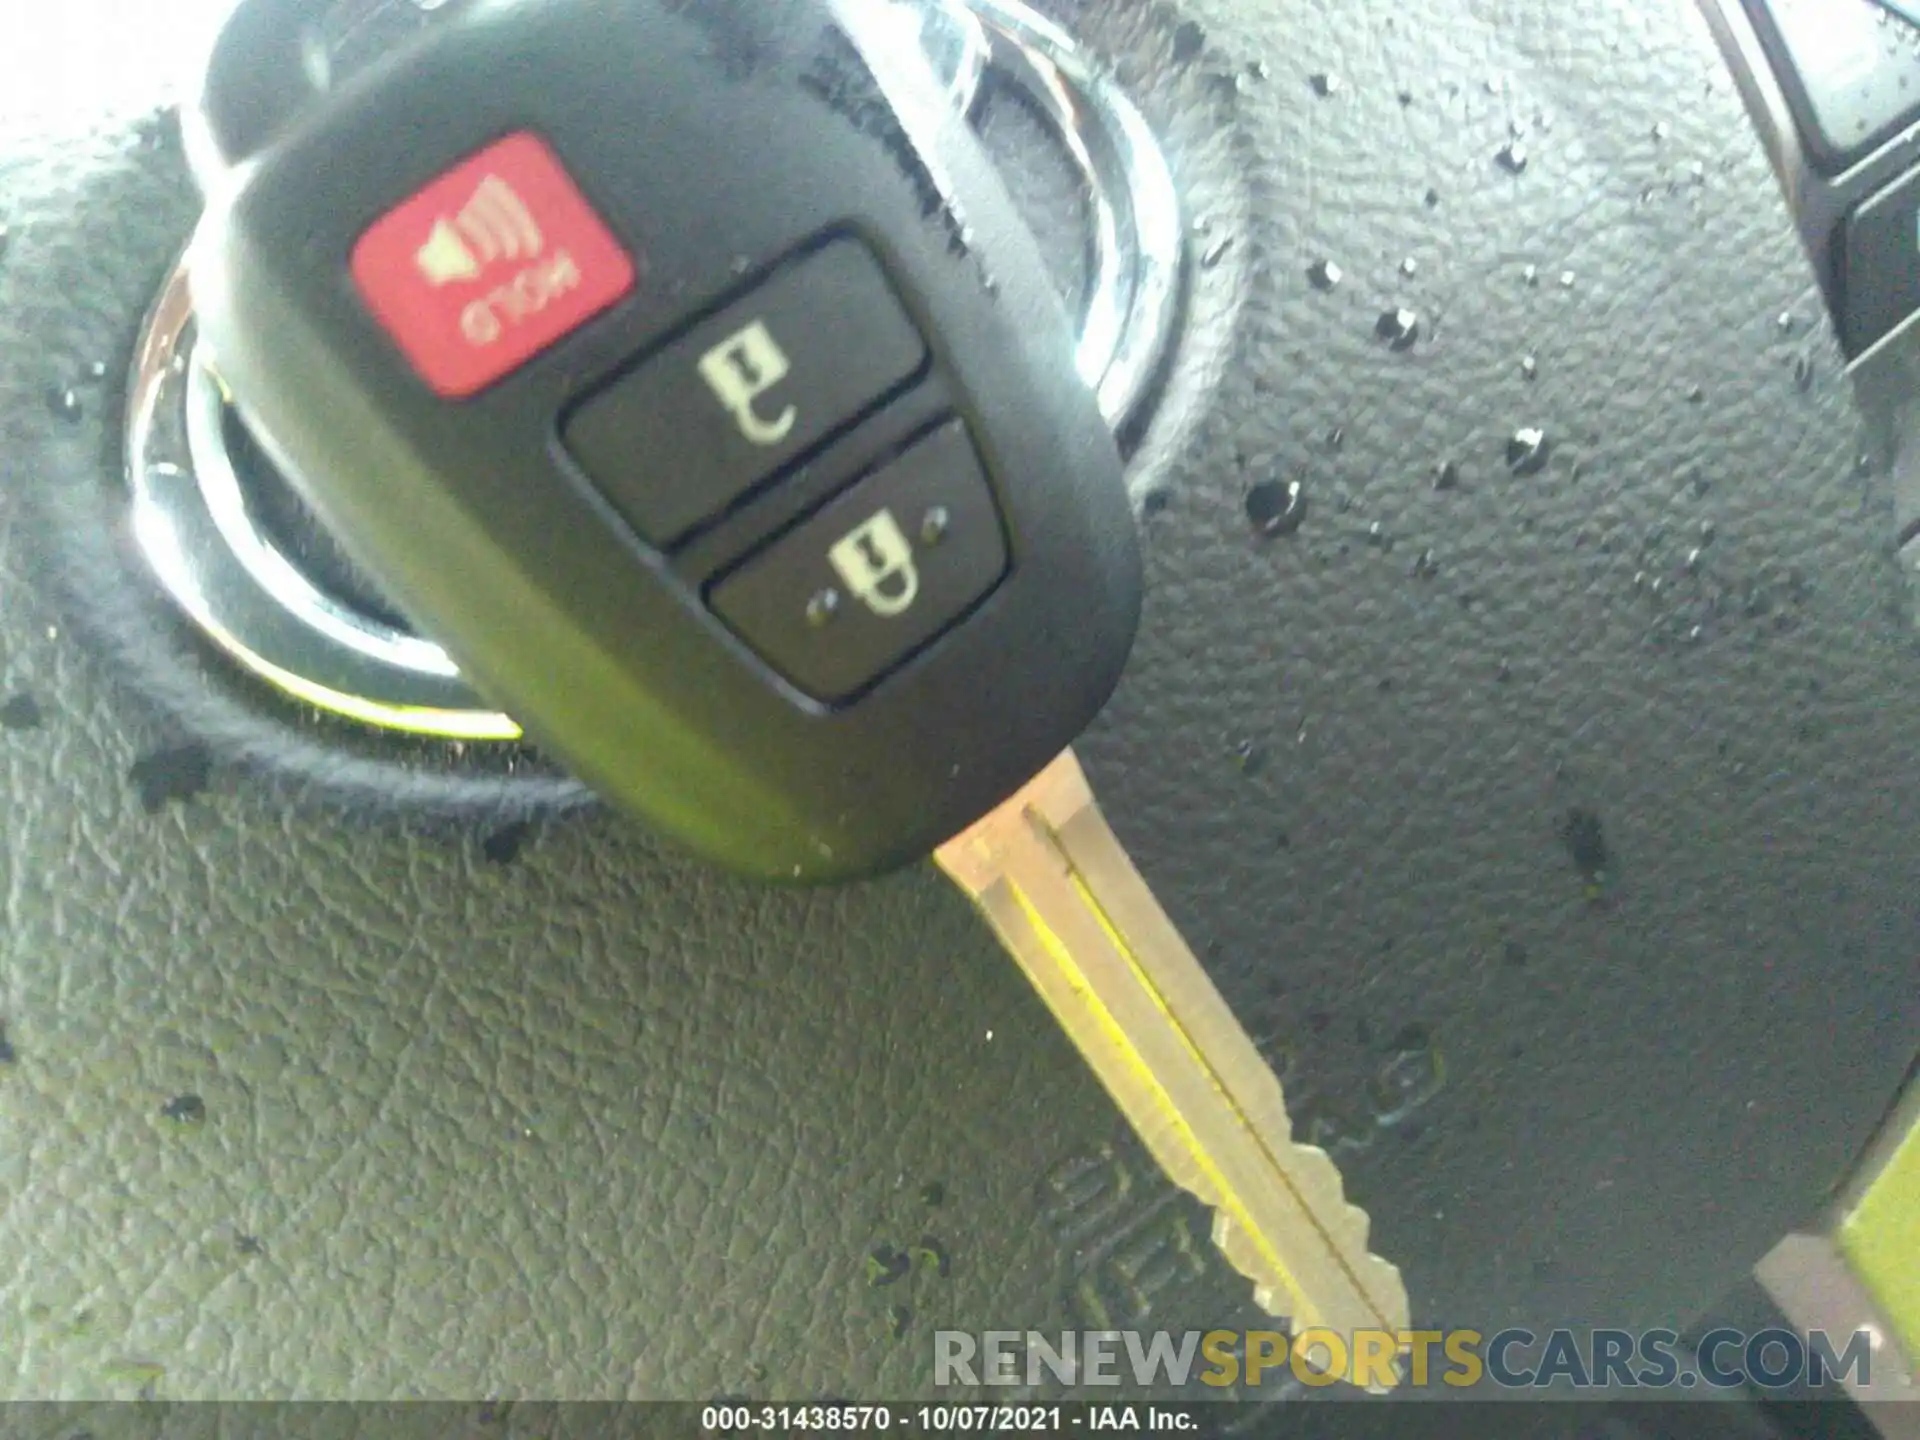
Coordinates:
722 409
1881 280
847 595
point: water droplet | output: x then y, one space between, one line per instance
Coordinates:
1277 507
886 1266
1325 84
1446 476
1425 566
97 370
1433 198
1528 452
6 238
1708 532
1803 372
823 608
1696 394
1324 274
1409 267
504 845
935 524
64 402
1336 1134
1493 87
1566 279
1660 131
1399 328
1698 171
185 1110
1409 1079
1531 275
1259 69
1529 366
1216 254
1188 41
21 712
1251 756
171 776
1693 561
1585 838
1336 437
1512 157
1784 324
1378 537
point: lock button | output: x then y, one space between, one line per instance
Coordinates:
851 593
728 405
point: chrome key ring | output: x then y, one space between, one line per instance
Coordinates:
1138 241
192 522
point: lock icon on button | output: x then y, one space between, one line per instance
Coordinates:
876 563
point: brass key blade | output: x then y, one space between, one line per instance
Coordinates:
1060 891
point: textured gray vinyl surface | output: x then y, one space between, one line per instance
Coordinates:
599 1123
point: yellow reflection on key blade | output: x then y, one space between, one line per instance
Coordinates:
1058 888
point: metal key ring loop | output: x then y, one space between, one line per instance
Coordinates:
191 516
1139 239
192 523
955 42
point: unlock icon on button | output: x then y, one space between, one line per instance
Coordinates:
875 562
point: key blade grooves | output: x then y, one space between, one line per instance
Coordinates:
1058 888
1068 955
1110 881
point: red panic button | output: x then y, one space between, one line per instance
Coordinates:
488 266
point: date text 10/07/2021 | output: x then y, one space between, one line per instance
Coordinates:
740 1420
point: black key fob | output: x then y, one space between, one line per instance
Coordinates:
684 368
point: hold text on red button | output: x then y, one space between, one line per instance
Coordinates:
488 266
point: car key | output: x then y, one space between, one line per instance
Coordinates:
1056 885
683 367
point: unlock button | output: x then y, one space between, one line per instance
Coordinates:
851 593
